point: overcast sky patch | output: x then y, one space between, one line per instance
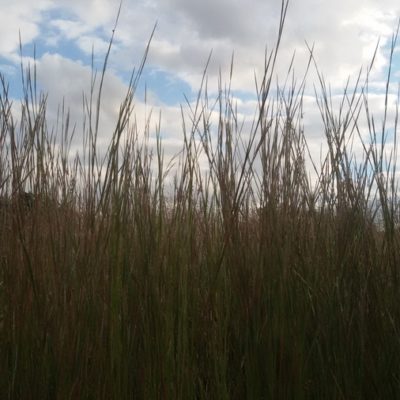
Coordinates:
66 33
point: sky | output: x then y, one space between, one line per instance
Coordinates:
65 34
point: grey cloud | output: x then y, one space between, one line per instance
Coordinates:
344 34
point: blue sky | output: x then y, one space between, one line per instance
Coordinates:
64 32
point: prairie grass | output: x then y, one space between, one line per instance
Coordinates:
250 281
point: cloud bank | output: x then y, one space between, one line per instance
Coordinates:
344 35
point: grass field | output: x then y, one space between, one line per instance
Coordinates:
122 279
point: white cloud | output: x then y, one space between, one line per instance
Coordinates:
344 34
68 80
88 43
92 13
19 16
70 29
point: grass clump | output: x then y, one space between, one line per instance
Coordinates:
248 281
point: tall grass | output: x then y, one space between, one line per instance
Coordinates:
248 281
